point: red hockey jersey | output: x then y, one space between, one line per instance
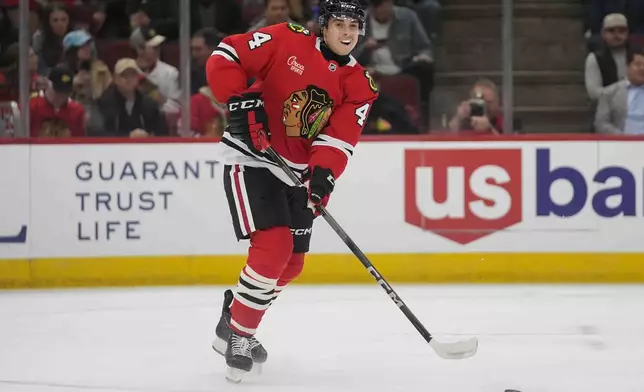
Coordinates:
316 106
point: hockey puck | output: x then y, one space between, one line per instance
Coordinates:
512 390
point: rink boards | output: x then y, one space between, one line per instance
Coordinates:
437 210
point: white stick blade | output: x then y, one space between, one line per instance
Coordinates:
455 350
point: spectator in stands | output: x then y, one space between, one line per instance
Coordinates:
310 19
163 16
597 10
10 22
607 64
124 110
53 113
48 41
9 33
86 16
11 74
302 10
99 16
138 14
202 45
481 114
276 11
395 42
223 15
428 12
91 75
621 105
161 79
116 23
207 117
388 116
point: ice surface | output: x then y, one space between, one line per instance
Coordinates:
327 338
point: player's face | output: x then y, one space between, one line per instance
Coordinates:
341 35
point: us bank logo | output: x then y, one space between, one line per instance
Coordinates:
19 238
466 194
463 195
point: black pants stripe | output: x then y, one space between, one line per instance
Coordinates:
258 200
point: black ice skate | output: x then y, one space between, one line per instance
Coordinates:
223 331
238 357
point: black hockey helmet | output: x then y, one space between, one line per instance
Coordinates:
342 9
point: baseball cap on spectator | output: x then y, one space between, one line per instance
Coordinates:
615 20
76 39
62 80
146 36
126 63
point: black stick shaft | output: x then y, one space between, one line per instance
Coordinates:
358 253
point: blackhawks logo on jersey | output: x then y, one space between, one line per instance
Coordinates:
306 112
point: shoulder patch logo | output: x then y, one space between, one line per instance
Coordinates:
298 28
372 83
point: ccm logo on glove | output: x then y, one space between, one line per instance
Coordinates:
248 121
245 105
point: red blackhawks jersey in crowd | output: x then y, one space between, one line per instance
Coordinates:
317 105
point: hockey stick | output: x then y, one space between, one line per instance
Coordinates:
452 350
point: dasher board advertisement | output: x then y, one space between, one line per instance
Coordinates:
139 199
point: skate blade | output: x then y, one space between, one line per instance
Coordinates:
235 376
220 346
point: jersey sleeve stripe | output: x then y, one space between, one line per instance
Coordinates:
330 141
218 52
230 49
326 144
227 52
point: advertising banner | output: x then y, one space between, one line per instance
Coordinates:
128 199
91 200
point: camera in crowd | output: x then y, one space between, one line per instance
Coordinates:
477 105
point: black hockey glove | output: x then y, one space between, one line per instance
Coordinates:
248 120
321 185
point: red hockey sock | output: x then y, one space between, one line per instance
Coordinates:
268 255
292 271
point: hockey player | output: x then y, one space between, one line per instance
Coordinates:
310 100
